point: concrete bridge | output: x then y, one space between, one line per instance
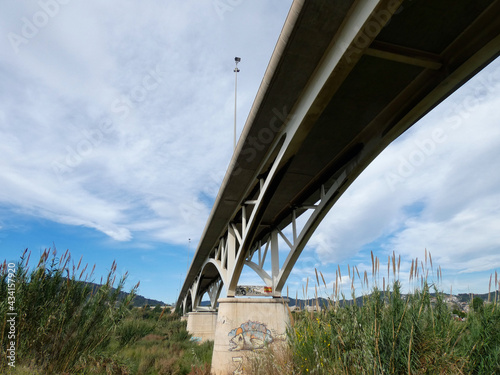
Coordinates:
346 78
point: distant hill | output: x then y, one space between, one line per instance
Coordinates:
462 297
138 300
466 297
322 302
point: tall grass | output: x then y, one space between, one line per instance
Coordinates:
61 323
392 333
157 343
67 327
480 341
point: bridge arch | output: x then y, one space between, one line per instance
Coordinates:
210 281
357 91
187 304
215 265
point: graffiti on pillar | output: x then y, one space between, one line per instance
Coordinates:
239 362
253 291
249 336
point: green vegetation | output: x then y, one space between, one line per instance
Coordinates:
66 326
153 341
390 333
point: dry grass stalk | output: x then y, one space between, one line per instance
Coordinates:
373 265
322 278
489 289
388 267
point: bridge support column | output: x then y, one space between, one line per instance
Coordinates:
201 325
246 326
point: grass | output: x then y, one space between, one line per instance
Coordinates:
153 343
60 322
389 333
64 326
67 327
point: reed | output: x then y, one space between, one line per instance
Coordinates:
70 327
158 343
61 322
395 333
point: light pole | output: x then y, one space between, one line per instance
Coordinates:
236 70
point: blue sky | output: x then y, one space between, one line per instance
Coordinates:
116 124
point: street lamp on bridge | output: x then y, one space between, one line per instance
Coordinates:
236 70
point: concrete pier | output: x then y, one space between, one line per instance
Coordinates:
201 325
244 326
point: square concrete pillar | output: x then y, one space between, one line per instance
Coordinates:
244 326
201 325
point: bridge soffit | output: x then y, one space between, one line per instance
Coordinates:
213 290
337 62
237 246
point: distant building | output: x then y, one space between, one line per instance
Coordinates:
314 308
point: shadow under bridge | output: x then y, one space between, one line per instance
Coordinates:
346 78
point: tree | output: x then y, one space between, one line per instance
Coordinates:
477 304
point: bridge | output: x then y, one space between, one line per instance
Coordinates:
346 78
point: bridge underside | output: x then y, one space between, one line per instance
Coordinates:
345 80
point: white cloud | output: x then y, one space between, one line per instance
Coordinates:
436 187
118 116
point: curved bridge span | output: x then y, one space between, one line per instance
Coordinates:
346 78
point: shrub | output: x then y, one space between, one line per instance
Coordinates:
61 321
477 304
132 330
479 341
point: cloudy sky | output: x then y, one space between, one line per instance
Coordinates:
116 128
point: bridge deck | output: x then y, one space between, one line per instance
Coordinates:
420 57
